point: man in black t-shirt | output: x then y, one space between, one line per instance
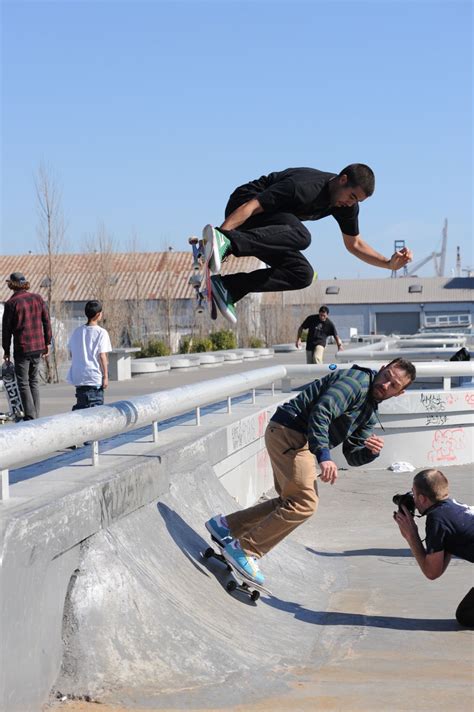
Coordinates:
449 531
319 328
264 219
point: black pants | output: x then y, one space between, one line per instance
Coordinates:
273 238
88 397
27 375
465 610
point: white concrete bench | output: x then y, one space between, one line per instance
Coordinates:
284 348
149 365
120 363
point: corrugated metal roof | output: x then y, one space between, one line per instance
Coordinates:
161 275
141 275
380 291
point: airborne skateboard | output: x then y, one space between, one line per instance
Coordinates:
13 392
238 582
200 279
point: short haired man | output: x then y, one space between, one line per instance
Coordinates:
449 531
89 346
339 408
26 321
319 328
264 219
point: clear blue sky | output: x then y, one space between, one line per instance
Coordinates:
150 113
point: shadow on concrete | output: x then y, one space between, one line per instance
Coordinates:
406 553
185 537
328 618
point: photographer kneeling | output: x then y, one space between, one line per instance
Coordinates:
449 530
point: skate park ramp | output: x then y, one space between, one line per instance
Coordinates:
148 621
352 623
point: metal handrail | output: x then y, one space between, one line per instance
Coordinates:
36 438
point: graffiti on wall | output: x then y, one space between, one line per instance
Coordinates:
446 444
245 431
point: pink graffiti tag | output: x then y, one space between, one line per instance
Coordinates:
469 398
262 423
445 443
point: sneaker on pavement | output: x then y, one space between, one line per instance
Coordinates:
217 527
247 565
223 299
216 248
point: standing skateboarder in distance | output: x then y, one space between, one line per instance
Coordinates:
264 219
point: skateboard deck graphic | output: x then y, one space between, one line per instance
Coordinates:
238 582
200 280
13 392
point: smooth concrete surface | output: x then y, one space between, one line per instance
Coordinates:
352 624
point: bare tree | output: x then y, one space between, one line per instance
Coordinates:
103 281
51 231
136 311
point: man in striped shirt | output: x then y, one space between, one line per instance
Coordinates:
340 408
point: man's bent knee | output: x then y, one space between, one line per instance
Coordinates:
306 504
303 277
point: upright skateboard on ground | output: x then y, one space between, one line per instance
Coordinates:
13 392
238 581
200 279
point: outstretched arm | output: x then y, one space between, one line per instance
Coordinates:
241 214
361 249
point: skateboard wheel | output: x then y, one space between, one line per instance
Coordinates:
231 586
255 595
208 553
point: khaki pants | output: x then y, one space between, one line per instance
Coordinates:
261 527
316 355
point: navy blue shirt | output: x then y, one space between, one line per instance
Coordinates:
450 527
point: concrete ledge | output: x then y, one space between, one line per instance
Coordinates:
232 356
145 365
284 348
208 359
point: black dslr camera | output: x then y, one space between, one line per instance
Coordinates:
407 500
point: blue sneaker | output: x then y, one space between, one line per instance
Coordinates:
247 565
217 248
217 527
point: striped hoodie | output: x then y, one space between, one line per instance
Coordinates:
335 409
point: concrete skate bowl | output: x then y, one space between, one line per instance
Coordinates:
148 622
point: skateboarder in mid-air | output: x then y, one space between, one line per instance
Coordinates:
264 219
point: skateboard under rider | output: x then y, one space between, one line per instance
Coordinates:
238 582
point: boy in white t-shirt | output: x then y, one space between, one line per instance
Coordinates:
89 345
